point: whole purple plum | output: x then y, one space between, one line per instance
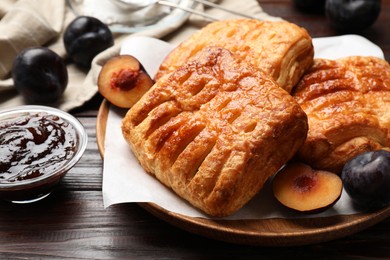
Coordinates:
352 15
40 75
84 38
366 179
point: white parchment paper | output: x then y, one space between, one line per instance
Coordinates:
125 181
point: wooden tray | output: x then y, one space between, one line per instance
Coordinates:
267 232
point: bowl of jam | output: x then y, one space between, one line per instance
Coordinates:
38 146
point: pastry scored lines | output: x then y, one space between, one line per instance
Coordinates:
337 92
193 131
180 128
192 135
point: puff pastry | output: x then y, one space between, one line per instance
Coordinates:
281 49
347 102
215 130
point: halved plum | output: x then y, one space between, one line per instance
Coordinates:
123 81
301 188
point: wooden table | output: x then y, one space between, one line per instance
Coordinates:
72 223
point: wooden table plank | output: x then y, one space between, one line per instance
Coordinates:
75 224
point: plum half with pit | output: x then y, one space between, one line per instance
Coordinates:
352 15
304 189
123 81
40 75
366 179
84 38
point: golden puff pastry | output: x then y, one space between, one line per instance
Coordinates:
347 102
215 130
281 49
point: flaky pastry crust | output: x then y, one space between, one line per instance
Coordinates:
281 49
347 102
215 130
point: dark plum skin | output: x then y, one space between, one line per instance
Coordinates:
84 38
366 178
310 6
352 15
40 75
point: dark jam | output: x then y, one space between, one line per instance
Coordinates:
34 145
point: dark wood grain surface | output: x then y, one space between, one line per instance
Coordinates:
72 223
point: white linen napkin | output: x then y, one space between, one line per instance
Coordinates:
26 23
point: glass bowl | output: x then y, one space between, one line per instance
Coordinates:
38 146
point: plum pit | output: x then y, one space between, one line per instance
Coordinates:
305 183
122 81
125 79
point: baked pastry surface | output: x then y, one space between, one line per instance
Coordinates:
281 49
215 130
347 102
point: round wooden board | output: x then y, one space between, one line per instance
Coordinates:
267 232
